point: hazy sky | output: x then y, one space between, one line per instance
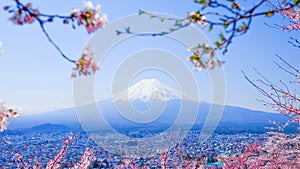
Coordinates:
36 78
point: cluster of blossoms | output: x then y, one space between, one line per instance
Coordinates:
249 158
89 17
86 159
5 114
86 64
197 17
280 151
22 14
204 57
294 15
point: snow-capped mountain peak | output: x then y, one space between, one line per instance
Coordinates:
148 90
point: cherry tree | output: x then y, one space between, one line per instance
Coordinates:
279 96
282 150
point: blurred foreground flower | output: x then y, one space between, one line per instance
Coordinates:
89 17
22 14
5 114
197 17
86 64
204 57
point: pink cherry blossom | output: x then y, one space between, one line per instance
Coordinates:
90 17
86 159
5 114
85 65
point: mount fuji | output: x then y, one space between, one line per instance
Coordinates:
141 97
141 101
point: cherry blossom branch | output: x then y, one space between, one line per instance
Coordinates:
231 21
294 42
53 43
281 98
20 158
164 154
234 20
89 17
52 164
86 159
30 15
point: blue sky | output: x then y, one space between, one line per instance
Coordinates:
35 77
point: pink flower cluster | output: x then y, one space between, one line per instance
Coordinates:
294 15
250 158
197 17
280 151
5 114
204 57
86 159
86 64
24 15
89 17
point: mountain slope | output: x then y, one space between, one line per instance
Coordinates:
48 127
235 116
149 94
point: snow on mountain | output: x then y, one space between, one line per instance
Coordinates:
148 90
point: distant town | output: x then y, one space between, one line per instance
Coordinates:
42 146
